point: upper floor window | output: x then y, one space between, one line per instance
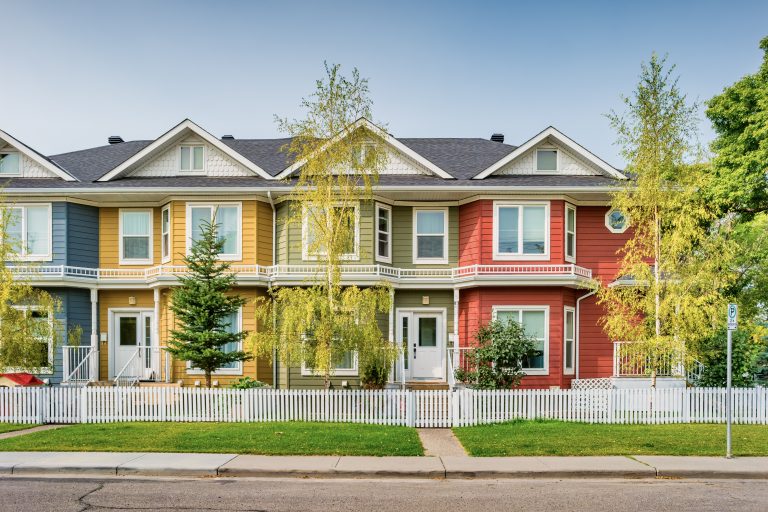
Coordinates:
520 231
165 233
383 233
616 221
226 216
10 163
534 321
192 159
546 160
135 237
570 233
313 244
430 240
29 229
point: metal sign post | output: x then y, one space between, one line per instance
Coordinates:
733 313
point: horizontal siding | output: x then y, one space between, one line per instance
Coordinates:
402 237
82 235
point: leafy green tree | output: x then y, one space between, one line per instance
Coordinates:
338 156
497 362
713 355
202 305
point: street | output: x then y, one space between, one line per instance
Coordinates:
46 494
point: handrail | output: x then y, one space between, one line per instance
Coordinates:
82 371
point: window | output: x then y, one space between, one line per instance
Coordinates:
191 158
616 221
546 160
570 233
569 340
29 228
520 231
42 331
165 233
231 324
10 164
310 247
226 216
135 237
383 233
430 241
534 320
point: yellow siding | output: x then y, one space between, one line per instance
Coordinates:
116 299
109 238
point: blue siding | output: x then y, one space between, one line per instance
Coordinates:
59 227
82 236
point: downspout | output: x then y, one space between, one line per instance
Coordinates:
578 328
274 253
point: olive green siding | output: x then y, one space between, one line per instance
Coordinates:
402 237
412 299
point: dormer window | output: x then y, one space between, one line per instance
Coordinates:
10 164
192 159
546 160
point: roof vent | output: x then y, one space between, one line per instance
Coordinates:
115 139
227 137
497 137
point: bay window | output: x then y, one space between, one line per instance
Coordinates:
520 231
226 216
569 340
165 233
430 240
29 229
383 233
535 322
570 233
41 327
135 237
312 248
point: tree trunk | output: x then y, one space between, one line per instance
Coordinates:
657 293
208 379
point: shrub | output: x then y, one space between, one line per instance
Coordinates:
374 372
248 383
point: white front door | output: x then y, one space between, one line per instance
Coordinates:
425 334
132 334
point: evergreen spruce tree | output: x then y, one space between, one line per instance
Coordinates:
201 305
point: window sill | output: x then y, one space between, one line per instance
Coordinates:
520 257
336 373
533 373
135 263
226 372
427 261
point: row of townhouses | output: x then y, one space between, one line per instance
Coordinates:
464 229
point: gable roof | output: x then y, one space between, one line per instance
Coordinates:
563 139
168 138
38 158
462 158
91 164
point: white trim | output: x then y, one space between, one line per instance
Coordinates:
23 255
340 372
511 307
238 369
409 312
165 258
608 224
569 258
536 169
18 172
388 257
192 171
36 157
112 337
386 137
572 369
168 137
51 356
305 254
520 256
446 231
561 138
238 255
136 261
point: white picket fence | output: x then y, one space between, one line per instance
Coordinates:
429 408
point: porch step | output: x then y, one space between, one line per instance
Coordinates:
151 384
418 385
101 383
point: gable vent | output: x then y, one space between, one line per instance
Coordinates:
497 137
227 137
115 139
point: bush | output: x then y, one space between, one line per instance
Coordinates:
713 354
248 383
374 372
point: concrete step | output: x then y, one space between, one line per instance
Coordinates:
419 385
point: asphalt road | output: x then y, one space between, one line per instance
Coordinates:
39 495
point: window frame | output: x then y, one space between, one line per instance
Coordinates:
354 371
165 249
151 236
237 370
545 308
191 159
608 224
51 356
571 258
536 160
569 310
19 172
388 209
520 256
307 256
238 255
23 255
446 219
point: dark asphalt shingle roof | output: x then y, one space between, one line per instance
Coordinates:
266 153
461 158
89 165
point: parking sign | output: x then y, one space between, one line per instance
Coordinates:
733 313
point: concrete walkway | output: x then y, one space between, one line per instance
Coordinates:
230 465
440 442
39 428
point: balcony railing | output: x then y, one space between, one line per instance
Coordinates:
631 360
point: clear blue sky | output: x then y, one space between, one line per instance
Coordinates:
76 72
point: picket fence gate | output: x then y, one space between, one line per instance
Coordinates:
423 408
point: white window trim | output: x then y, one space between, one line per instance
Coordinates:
191 159
569 258
51 356
142 261
572 369
20 171
343 372
22 255
237 256
446 230
388 257
519 256
608 224
238 369
531 371
165 258
536 160
307 256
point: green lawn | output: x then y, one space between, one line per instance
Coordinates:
559 438
255 438
10 427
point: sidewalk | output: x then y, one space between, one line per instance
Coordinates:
226 465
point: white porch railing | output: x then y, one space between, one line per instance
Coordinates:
142 365
78 364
